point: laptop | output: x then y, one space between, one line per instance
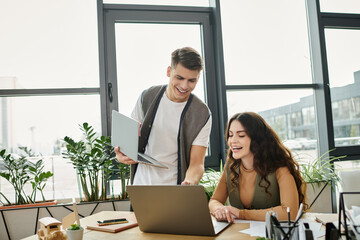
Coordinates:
173 209
125 134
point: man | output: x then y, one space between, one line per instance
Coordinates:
175 126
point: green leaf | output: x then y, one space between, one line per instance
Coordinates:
2 152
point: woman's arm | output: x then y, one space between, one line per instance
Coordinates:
289 197
217 202
220 194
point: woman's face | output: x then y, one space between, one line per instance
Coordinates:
239 141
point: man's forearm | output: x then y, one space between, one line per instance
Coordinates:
194 174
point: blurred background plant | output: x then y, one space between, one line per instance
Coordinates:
210 180
20 171
320 173
320 170
95 164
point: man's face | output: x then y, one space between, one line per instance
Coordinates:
181 83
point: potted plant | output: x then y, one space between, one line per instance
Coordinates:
75 232
210 180
19 172
321 178
94 160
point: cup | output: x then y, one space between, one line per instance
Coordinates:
284 227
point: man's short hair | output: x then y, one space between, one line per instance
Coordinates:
188 57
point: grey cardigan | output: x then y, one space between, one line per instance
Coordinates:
193 118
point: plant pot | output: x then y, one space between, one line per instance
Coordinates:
320 197
75 234
30 205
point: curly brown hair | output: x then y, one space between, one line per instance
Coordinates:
269 153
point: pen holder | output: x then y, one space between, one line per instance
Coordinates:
285 231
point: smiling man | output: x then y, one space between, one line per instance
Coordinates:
175 126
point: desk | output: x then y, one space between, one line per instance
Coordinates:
231 232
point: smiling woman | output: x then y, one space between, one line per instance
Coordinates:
239 143
260 173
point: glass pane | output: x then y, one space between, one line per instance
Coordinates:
267 44
45 45
347 165
63 184
40 123
143 53
293 119
344 76
343 6
197 3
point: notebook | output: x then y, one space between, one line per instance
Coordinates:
132 222
173 209
125 134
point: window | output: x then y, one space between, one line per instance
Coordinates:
268 68
41 122
286 119
344 77
267 45
197 3
49 82
347 6
333 35
138 43
55 47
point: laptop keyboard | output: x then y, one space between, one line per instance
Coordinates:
218 226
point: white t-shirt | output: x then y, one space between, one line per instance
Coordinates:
162 143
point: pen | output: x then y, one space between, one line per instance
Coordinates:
299 211
288 213
296 221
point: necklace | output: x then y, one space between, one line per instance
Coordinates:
247 168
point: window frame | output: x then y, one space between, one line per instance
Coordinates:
109 14
317 23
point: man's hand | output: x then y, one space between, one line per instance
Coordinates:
186 182
122 157
196 166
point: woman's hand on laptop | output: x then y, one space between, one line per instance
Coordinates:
122 157
224 213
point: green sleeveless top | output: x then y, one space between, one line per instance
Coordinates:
261 199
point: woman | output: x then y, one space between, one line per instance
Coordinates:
260 173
